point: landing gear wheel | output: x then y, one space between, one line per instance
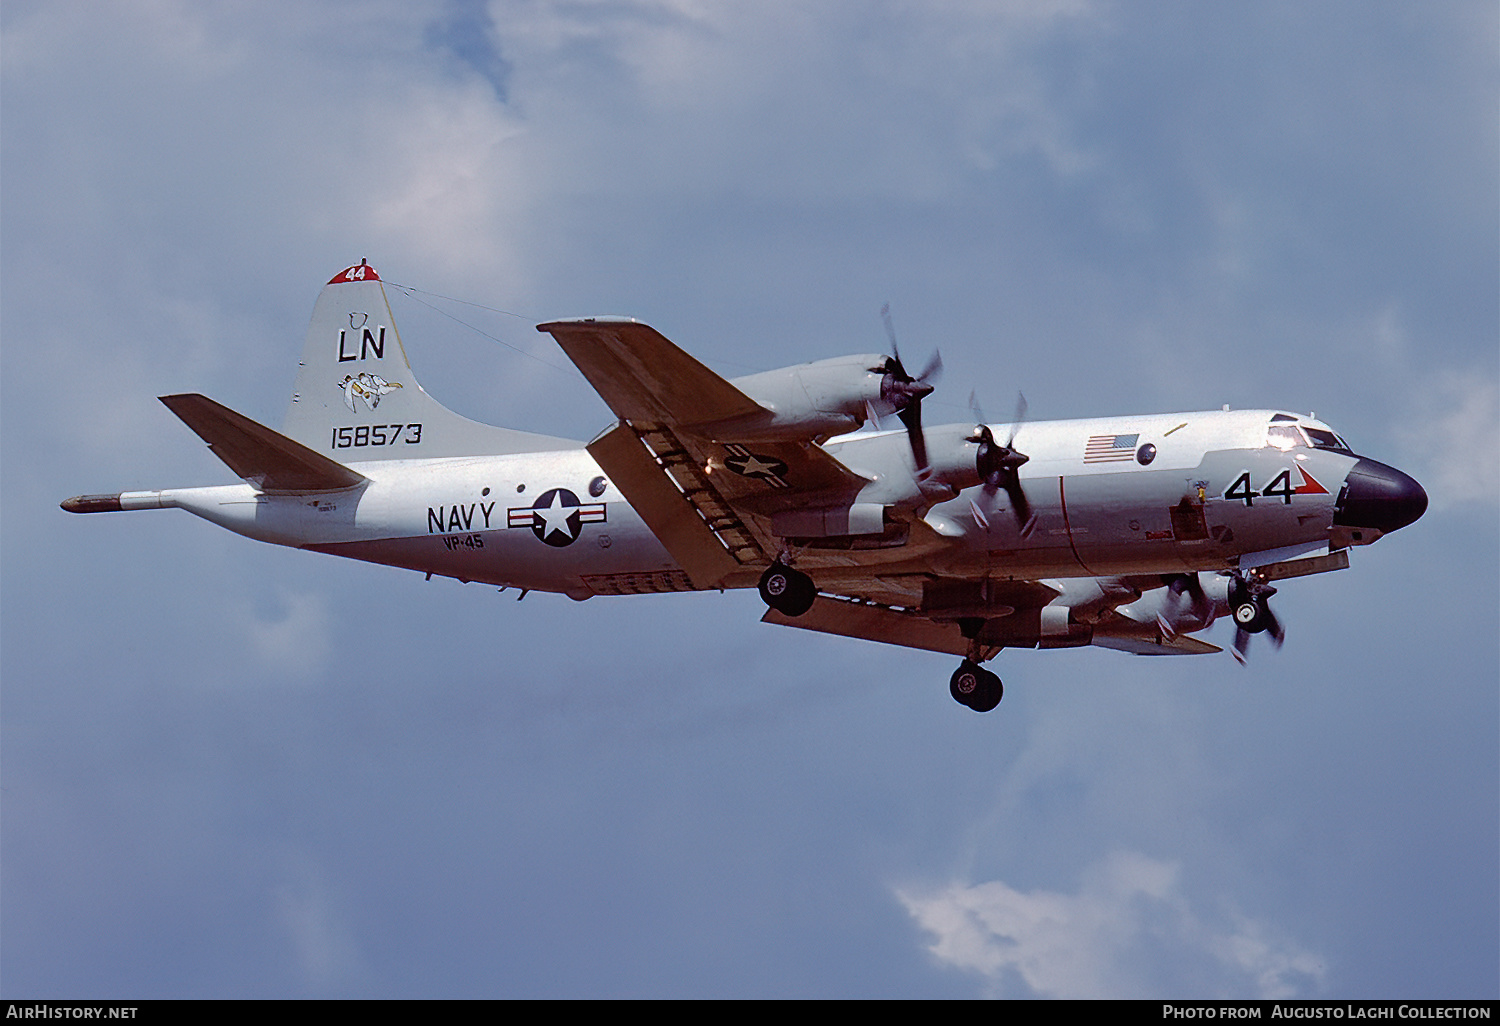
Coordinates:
975 687
964 684
789 592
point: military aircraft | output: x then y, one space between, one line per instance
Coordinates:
1131 533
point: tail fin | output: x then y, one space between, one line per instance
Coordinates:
356 399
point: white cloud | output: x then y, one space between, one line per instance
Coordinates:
297 642
1127 932
320 940
1455 432
772 99
440 172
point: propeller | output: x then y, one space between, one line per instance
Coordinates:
905 393
1249 604
1200 606
999 467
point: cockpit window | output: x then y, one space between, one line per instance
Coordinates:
1284 437
1322 439
1287 436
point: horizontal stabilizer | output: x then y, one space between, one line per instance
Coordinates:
265 458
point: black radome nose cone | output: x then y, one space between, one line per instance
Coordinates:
1381 497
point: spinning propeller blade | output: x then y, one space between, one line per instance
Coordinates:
1249 601
999 466
905 393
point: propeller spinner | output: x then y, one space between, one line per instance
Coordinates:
1249 603
999 467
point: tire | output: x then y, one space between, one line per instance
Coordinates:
990 692
789 592
966 684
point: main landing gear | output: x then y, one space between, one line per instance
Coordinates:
792 593
789 592
971 685
974 686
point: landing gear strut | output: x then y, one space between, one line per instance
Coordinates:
974 686
789 592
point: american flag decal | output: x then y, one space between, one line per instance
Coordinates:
1110 448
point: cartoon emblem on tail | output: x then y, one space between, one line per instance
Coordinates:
367 386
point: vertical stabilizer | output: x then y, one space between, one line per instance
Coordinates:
356 399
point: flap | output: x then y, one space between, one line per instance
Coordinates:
677 524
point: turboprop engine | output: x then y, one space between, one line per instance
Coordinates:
1189 602
829 397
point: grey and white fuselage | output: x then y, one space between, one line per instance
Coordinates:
1125 531
474 517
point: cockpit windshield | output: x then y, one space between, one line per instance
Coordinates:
1287 436
1283 437
1324 439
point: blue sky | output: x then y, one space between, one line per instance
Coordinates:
235 770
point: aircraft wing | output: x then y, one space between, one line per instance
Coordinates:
1179 645
855 619
643 376
873 620
706 494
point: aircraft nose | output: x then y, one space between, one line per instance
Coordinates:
1379 496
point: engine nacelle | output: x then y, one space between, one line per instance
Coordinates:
953 456
813 400
1181 608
